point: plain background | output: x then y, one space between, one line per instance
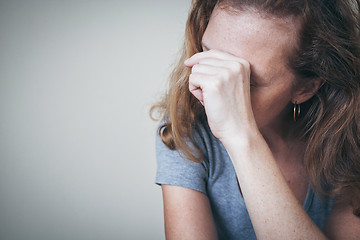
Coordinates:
77 78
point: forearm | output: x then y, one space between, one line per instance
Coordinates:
274 210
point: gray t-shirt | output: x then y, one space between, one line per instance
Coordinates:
216 178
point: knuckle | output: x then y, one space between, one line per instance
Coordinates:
195 68
241 68
247 67
191 77
246 64
226 75
237 67
218 84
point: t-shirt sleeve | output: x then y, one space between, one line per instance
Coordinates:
174 169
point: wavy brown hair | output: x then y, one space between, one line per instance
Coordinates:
329 50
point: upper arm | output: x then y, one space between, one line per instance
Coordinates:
187 214
342 223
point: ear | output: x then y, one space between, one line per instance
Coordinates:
306 91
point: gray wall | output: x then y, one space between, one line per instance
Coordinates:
77 78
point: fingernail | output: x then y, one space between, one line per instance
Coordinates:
186 61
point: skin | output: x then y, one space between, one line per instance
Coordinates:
247 90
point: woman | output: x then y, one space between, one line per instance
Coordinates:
262 109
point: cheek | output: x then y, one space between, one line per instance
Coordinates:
269 105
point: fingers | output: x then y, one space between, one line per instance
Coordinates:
210 57
199 81
207 69
221 67
221 82
216 62
195 86
213 72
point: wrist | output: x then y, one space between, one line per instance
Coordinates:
241 137
244 146
241 141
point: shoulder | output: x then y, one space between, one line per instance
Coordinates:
342 223
173 168
201 138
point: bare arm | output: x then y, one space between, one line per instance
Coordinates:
187 214
274 211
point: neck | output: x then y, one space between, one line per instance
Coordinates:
282 141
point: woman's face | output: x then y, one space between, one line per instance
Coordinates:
266 44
